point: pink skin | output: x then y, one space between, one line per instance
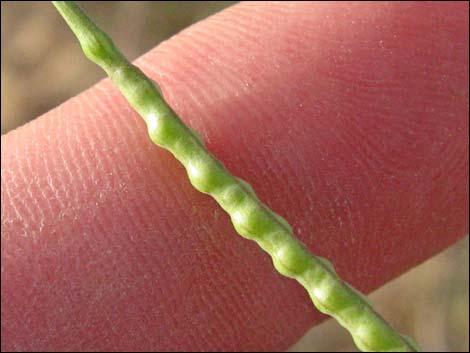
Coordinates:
350 120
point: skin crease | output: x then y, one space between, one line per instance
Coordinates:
350 120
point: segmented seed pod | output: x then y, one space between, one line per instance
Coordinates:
250 217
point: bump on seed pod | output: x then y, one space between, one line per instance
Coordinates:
231 197
362 334
373 336
291 259
253 219
331 296
98 47
206 174
234 193
242 219
162 130
274 240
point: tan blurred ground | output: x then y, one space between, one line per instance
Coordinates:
41 67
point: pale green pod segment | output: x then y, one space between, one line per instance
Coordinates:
250 217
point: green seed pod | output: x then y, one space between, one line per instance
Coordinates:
250 217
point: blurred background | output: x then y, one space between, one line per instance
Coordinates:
429 303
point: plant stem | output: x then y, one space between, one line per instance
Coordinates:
251 218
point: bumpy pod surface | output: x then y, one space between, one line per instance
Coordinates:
250 217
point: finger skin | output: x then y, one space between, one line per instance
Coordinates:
350 120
